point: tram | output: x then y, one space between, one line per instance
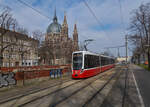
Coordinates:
86 64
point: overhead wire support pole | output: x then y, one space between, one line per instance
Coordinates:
126 43
123 26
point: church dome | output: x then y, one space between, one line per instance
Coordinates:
54 27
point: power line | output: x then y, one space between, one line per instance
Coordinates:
94 15
115 47
123 27
26 4
121 16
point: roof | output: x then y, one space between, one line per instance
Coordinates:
17 35
54 27
91 53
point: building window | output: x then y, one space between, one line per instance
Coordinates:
7 64
12 64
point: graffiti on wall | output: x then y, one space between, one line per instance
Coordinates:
7 79
55 73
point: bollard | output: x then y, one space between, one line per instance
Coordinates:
52 73
59 72
55 73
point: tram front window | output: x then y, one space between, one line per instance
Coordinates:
77 61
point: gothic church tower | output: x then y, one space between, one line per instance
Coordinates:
75 38
64 29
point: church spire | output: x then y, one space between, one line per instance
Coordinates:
75 38
65 26
65 20
55 17
75 29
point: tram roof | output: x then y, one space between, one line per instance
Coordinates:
91 53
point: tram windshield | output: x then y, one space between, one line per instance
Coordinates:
77 61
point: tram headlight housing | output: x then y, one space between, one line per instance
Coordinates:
82 70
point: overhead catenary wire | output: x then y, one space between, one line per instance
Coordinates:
28 5
115 47
123 25
121 16
40 13
94 15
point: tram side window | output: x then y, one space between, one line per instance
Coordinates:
106 61
102 61
91 61
85 62
97 61
111 61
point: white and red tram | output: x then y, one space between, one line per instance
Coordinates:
86 64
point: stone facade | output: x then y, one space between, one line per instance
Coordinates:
17 49
61 44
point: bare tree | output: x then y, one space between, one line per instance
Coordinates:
22 30
38 35
7 22
46 53
6 19
140 29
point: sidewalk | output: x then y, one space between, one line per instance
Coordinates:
142 77
124 92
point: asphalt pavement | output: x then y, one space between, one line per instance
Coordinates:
142 77
129 88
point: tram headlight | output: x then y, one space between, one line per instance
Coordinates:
82 70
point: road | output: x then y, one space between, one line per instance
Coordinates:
113 88
143 81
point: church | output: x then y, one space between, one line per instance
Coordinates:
60 44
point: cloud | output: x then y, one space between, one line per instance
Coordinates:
110 31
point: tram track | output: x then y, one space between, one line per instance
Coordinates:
89 99
125 87
15 102
99 90
57 91
67 96
36 98
53 105
32 91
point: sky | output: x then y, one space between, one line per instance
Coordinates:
109 32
